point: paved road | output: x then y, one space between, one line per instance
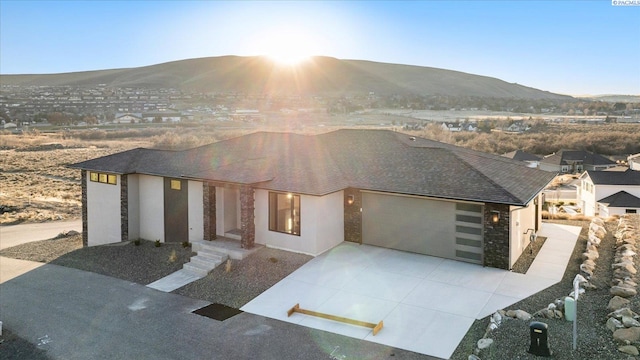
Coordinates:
19 234
75 314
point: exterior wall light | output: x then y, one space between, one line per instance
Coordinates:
350 199
495 216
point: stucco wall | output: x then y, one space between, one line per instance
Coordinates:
103 212
151 189
321 221
134 206
522 219
196 222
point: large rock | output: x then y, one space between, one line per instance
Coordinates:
484 343
519 314
590 254
614 324
617 303
629 349
628 321
623 291
627 335
618 314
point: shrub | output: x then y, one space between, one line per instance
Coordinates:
186 244
158 243
136 242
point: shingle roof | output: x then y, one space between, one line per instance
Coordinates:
621 199
521 156
629 177
566 157
377 160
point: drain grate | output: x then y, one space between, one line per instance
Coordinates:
217 312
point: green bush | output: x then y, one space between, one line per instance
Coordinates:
158 243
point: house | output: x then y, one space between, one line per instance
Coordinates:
575 161
533 161
634 162
127 118
454 127
309 193
607 193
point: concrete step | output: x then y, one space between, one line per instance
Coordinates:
212 255
196 268
230 247
207 262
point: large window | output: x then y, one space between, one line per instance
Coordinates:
284 213
103 178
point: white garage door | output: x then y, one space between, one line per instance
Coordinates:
425 226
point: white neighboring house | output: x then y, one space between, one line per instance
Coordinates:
634 162
127 118
607 193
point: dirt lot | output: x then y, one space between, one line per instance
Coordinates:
36 185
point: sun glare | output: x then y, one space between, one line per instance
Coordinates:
286 46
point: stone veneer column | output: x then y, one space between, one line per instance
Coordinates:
209 213
247 217
353 216
496 237
85 217
124 208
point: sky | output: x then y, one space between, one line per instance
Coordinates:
568 47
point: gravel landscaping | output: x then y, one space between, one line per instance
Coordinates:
248 278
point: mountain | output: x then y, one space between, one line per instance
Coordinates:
614 98
319 76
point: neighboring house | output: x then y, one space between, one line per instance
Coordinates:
532 160
163 116
608 193
517 127
309 193
575 161
634 162
455 127
127 118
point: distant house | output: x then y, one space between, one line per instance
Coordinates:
164 116
634 162
608 193
309 193
454 127
127 118
575 161
532 160
517 127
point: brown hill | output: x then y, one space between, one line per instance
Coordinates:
320 75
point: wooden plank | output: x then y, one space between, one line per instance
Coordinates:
296 308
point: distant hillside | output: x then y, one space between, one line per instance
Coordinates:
322 76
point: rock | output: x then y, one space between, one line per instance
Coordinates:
621 273
627 335
492 326
618 314
546 313
558 314
473 357
496 318
586 270
484 343
614 324
628 321
627 253
629 349
593 255
597 221
519 314
617 303
551 306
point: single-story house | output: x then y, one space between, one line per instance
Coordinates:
634 162
309 193
608 193
575 161
127 118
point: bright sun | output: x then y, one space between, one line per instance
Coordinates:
286 46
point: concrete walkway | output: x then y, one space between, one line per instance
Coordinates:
13 235
427 304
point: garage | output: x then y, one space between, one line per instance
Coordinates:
446 229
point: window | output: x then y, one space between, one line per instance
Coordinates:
176 185
111 179
284 213
631 211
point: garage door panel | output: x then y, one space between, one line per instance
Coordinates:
409 224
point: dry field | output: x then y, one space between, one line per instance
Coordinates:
36 185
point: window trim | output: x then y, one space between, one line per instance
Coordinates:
103 178
273 219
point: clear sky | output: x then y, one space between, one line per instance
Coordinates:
568 47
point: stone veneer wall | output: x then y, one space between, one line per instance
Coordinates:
209 213
496 237
247 217
124 208
353 216
85 217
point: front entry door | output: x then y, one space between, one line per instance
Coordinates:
176 210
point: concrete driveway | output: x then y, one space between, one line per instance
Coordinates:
74 314
13 235
427 304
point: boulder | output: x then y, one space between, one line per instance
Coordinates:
614 324
618 314
484 343
629 349
628 321
473 357
627 335
496 318
621 273
597 221
519 314
617 303
593 255
623 291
